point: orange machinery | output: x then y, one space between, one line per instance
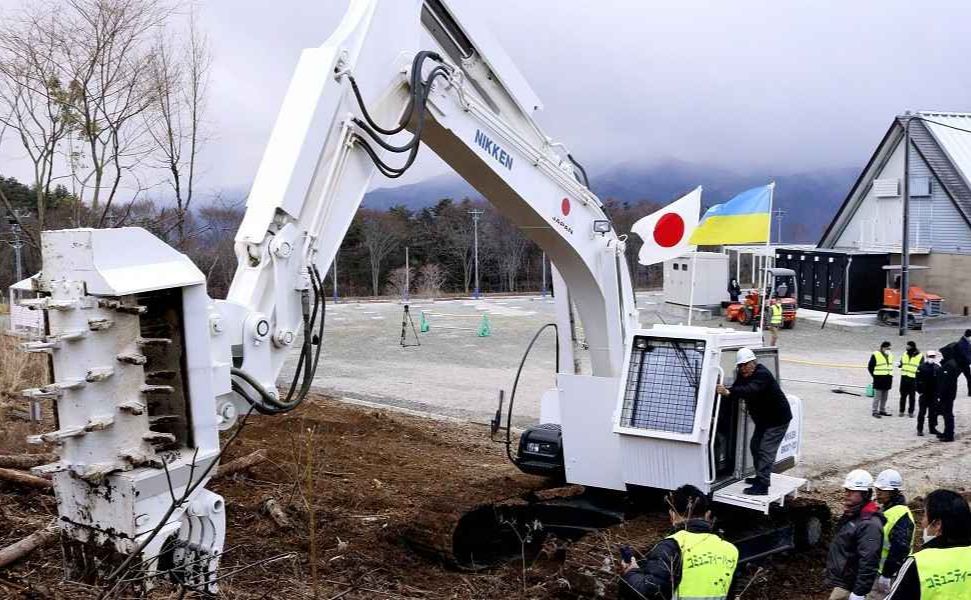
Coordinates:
748 310
920 304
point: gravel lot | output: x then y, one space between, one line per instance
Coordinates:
456 374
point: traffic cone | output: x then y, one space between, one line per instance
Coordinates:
484 330
423 325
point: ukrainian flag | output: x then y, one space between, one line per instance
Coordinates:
742 220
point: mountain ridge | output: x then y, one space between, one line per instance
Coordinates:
808 200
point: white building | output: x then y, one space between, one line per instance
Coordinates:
871 217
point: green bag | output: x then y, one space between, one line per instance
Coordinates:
869 390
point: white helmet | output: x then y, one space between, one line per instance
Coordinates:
858 480
889 480
743 356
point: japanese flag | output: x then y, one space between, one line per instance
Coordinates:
667 231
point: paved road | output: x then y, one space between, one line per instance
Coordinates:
457 374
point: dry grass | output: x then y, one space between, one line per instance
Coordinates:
18 370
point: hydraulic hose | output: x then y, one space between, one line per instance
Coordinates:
265 402
416 65
515 383
417 101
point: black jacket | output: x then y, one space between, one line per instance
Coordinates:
854 553
928 376
659 573
907 584
767 405
880 382
947 382
959 351
901 539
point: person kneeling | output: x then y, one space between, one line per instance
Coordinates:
693 562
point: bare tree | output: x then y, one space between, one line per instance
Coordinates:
213 249
179 81
381 236
452 229
507 247
431 279
398 280
106 55
33 98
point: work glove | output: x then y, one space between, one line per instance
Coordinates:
883 584
857 597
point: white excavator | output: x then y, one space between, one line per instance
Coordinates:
148 369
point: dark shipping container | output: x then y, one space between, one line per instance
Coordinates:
835 280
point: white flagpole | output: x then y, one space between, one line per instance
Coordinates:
691 293
765 261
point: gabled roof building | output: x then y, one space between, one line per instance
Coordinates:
871 217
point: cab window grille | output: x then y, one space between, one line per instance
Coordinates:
661 391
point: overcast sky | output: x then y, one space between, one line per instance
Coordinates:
773 85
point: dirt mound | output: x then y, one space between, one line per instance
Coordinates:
355 483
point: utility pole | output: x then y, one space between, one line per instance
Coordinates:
17 243
544 275
905 234
407 275
476 213
779 213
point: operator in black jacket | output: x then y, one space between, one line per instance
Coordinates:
661 574
928 381
947 392
769 409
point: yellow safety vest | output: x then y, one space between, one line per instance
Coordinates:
707 566
776 315
894 514
884 363
944 573
909 364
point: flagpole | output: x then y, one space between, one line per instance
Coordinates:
691 292
765 261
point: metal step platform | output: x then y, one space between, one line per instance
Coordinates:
780 488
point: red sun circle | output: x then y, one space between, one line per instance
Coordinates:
565 206
669 230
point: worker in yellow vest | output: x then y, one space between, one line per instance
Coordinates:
942 568
691 563
881 370
909 363
898 531
775 320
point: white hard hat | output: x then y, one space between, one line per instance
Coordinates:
858 480
889 480
743 356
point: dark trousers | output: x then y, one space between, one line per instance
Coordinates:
908 390
765 444
945 408
928 407
966 371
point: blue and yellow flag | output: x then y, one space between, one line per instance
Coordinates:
742 220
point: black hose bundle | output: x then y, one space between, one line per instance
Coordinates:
418 101
266 402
